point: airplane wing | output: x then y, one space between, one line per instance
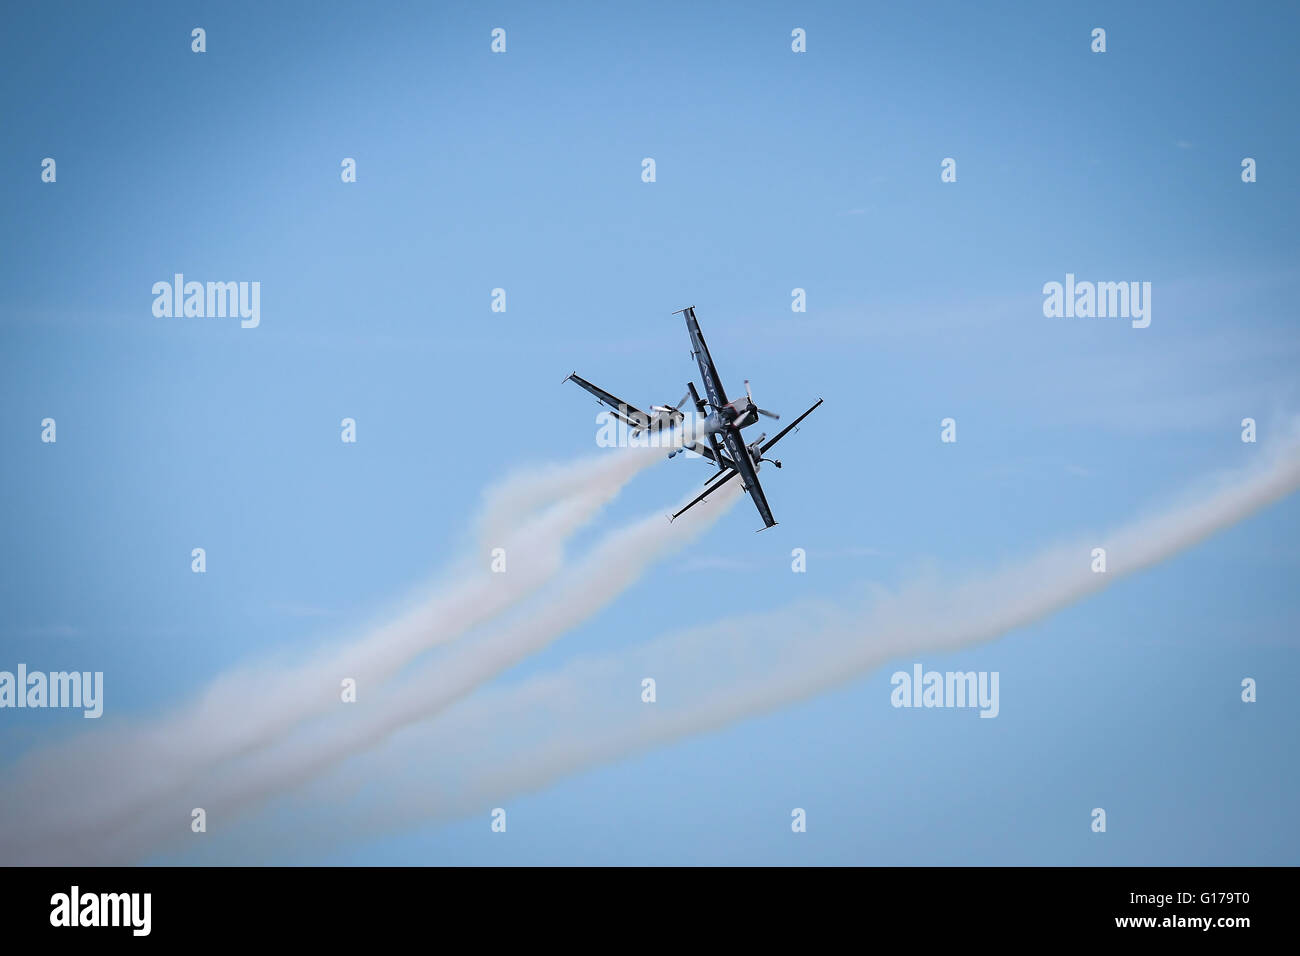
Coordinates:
704 451
630 414
708 371
706 492
746 468
785 431
748 474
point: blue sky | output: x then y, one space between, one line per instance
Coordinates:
775 170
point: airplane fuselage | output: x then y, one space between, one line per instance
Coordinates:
735 416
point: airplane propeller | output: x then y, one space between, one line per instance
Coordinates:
762 411
671 408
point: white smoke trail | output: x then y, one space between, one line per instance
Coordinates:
244 710
502 743
609 568
612 566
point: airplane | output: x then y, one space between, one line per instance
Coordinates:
721 423
665 417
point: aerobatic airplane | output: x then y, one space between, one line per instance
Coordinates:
660 416
721 424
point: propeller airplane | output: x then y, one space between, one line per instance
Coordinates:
721 422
